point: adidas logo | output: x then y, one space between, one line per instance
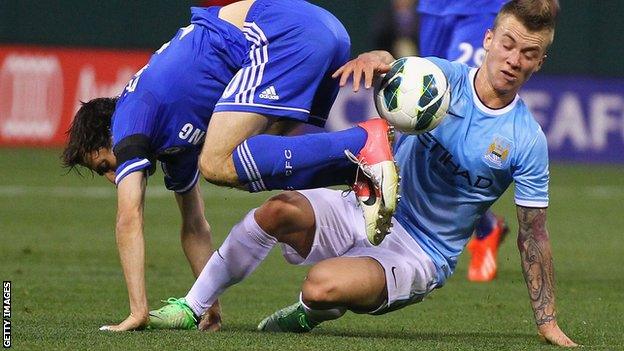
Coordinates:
269 94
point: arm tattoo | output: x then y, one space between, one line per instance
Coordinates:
536 259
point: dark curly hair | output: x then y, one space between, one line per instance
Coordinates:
89 131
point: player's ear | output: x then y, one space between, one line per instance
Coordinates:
541 62
113 160
487 40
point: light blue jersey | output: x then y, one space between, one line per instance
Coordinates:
453 174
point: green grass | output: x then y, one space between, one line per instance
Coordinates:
57 246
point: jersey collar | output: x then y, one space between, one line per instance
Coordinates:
481 106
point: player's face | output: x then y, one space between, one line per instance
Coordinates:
103 162
513 54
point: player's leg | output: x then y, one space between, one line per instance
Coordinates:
356 283
287 75
326 291
266 162
359 277
373 281
332 287
238 153
314 225
288 217
226 131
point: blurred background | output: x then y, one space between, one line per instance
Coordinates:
56 53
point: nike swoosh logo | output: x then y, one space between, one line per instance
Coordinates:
394 276
372 198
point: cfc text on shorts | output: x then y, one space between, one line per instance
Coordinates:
6 314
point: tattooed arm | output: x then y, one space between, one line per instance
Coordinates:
537 267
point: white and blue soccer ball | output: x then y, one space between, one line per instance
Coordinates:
413 96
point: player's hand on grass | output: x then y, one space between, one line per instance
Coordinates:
367 65
552 334
133 322
211 319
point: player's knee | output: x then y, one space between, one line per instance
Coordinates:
216 170
282 214
320 289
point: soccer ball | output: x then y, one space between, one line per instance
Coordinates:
413 96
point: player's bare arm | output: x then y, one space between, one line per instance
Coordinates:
196 238
367 64
131 246
195 232
537 268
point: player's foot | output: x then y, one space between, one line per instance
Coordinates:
483 266
176 314
377 218
290 319
376 187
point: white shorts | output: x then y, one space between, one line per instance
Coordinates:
410 272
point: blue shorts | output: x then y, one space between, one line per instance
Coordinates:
293 47
181 171
455 37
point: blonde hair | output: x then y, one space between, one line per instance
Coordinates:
535 15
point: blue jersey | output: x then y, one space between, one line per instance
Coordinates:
453 174
271 67
459 7
454 29
164 110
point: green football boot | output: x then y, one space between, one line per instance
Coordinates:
290 319
176 314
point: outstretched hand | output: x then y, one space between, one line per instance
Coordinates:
552 334
131 323
368 65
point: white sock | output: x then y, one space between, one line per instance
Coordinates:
244 248
318 316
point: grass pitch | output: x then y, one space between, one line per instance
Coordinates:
57 246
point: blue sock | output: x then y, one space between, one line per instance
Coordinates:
268 162
485 225
338 172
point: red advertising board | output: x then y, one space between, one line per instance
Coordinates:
41 88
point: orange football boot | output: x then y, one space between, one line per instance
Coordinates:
377 181
483 252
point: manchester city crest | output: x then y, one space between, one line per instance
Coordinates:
497 153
